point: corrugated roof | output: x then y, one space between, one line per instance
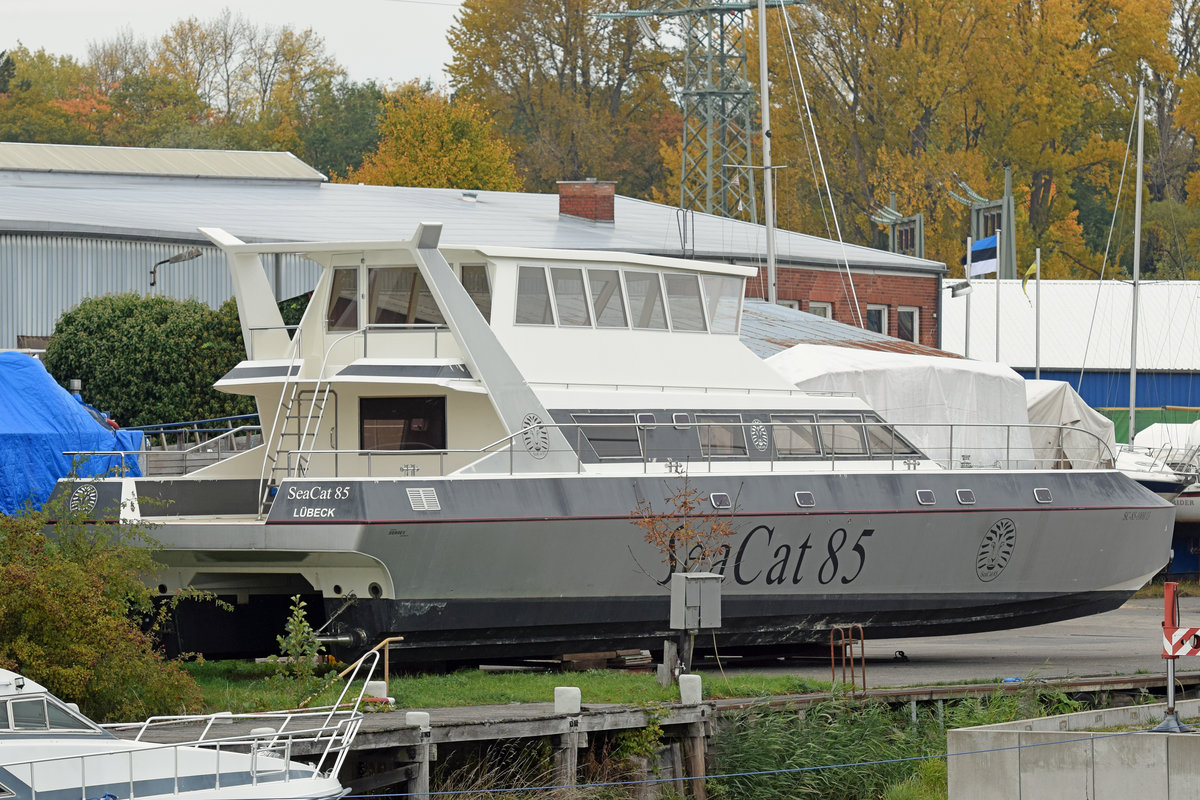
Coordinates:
141 206
163 162
1168 324
769 329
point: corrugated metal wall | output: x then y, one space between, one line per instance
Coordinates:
47 275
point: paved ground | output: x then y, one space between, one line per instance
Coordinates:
1126 641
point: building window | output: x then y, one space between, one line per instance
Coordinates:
402 423
908 323
820 309
877 318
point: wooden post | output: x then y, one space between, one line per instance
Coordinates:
566 756
694 750
666 670
418 785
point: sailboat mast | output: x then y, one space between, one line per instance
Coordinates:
768 178
1137 268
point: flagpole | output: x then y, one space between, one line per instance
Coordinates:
1037 316
998 262
1137 263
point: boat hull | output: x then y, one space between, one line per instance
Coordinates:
518 567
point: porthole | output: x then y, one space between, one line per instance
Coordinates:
805 499
646 421
337 588
375 590
720 500
682 421
925 497
965 497
162 588
1043 496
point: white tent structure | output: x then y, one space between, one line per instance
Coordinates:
963 413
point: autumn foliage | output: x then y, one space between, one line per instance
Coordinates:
688 532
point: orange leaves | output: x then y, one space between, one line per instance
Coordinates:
689 534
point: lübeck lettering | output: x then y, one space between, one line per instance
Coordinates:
305 511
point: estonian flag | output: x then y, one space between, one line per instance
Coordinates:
983 257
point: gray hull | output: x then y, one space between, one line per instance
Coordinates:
542 566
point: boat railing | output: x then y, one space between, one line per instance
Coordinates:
951 446
258 332
660 389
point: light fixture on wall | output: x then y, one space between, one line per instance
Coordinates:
960 289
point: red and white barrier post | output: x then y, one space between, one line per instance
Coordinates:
1177 641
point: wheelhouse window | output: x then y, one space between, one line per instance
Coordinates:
796 435
683 299
883 439
533 297
40 714
607 299
610 435
569 297
723 297
721 435
475 281
342 312
842 434
646 300
399 296
402 423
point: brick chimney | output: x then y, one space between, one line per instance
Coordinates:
589 199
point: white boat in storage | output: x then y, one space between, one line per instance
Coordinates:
49 751
455 439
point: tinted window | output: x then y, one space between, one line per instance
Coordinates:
610 435
342 312
721 434
795 435
842 435
533 297
403 423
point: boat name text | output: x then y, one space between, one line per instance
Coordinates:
318 493
758 559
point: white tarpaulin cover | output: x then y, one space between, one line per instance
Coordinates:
1056 403
980 398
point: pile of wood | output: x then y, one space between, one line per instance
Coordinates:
608 659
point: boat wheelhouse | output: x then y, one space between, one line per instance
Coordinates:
457 441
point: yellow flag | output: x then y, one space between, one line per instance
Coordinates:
1029 273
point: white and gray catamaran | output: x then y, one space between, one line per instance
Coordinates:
456 438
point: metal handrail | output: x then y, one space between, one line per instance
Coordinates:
898 456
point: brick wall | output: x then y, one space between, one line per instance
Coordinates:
830 286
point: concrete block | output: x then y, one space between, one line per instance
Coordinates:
1133 765
1183 766
989 767
1056 764
691 691
567 700
418 719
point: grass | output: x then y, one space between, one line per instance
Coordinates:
239 686
1155 589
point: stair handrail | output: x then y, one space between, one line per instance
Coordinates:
269 442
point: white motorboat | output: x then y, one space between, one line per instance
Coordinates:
456 437
49 750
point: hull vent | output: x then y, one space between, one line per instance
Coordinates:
424 499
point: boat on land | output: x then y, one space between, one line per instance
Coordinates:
459 443
48 749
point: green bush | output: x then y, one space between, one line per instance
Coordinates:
149 360
70 615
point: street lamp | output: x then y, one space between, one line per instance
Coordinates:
960 289
186 255
964 289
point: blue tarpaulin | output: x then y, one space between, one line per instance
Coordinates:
39 420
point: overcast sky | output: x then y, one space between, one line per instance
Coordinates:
388 41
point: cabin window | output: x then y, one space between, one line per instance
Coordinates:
342 312
646 300
607 299
569 297
795 435
402 423
29 715
884 440
610 435
683 298
723 297
721 435
842 435
533 297
475 281
399 296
